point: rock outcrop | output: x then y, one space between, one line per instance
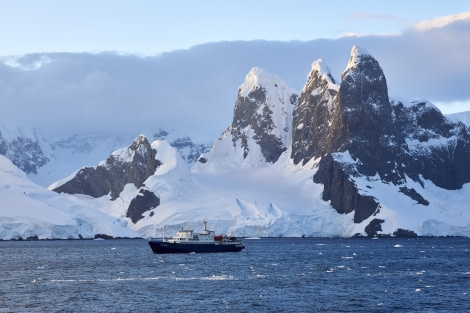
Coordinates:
133 164
23 150
357 131
145 201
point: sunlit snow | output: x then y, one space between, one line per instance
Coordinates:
29 210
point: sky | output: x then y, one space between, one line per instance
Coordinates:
148 27
66 66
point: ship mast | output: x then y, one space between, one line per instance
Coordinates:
205 224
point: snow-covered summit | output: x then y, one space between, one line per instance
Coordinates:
258 77
323 70
261 126
356 56
140 148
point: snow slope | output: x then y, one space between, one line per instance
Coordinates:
447 214
281 199
263 201
67 154
29 210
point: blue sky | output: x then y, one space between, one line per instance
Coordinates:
147 27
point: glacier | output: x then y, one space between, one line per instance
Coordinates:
31 211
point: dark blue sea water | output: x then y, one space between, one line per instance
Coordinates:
270 275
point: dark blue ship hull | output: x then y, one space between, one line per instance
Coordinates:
160 247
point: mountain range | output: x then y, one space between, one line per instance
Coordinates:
335 159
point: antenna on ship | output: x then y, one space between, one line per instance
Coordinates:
205 224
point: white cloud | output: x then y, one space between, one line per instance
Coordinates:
194 90
440 22
453 106
30 62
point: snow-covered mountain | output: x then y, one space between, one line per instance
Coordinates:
133 164
47 160
335 159
261 128
30 211
373 144
51 160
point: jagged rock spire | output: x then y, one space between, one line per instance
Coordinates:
363 85
263 113
312 116
363 98
330 117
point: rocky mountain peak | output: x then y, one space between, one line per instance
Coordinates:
439 148
363 84
314 115
133 164
394 143
138 151
140 144
365 109
320 70
357 56
319 79
354 118
259 78
334 118
262 114
261 127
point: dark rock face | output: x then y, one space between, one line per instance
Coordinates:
389 139
25 152
189 151
367 130
374 227
3 145
438 149
245 114
356 117
89 181
413 194
341 190
404 233
144 201
253 112
131 165
314 117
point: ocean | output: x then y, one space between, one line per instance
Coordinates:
270 275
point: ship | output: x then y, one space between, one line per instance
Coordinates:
188 241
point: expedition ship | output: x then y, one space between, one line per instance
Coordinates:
187 241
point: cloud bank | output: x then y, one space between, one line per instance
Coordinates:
194 90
